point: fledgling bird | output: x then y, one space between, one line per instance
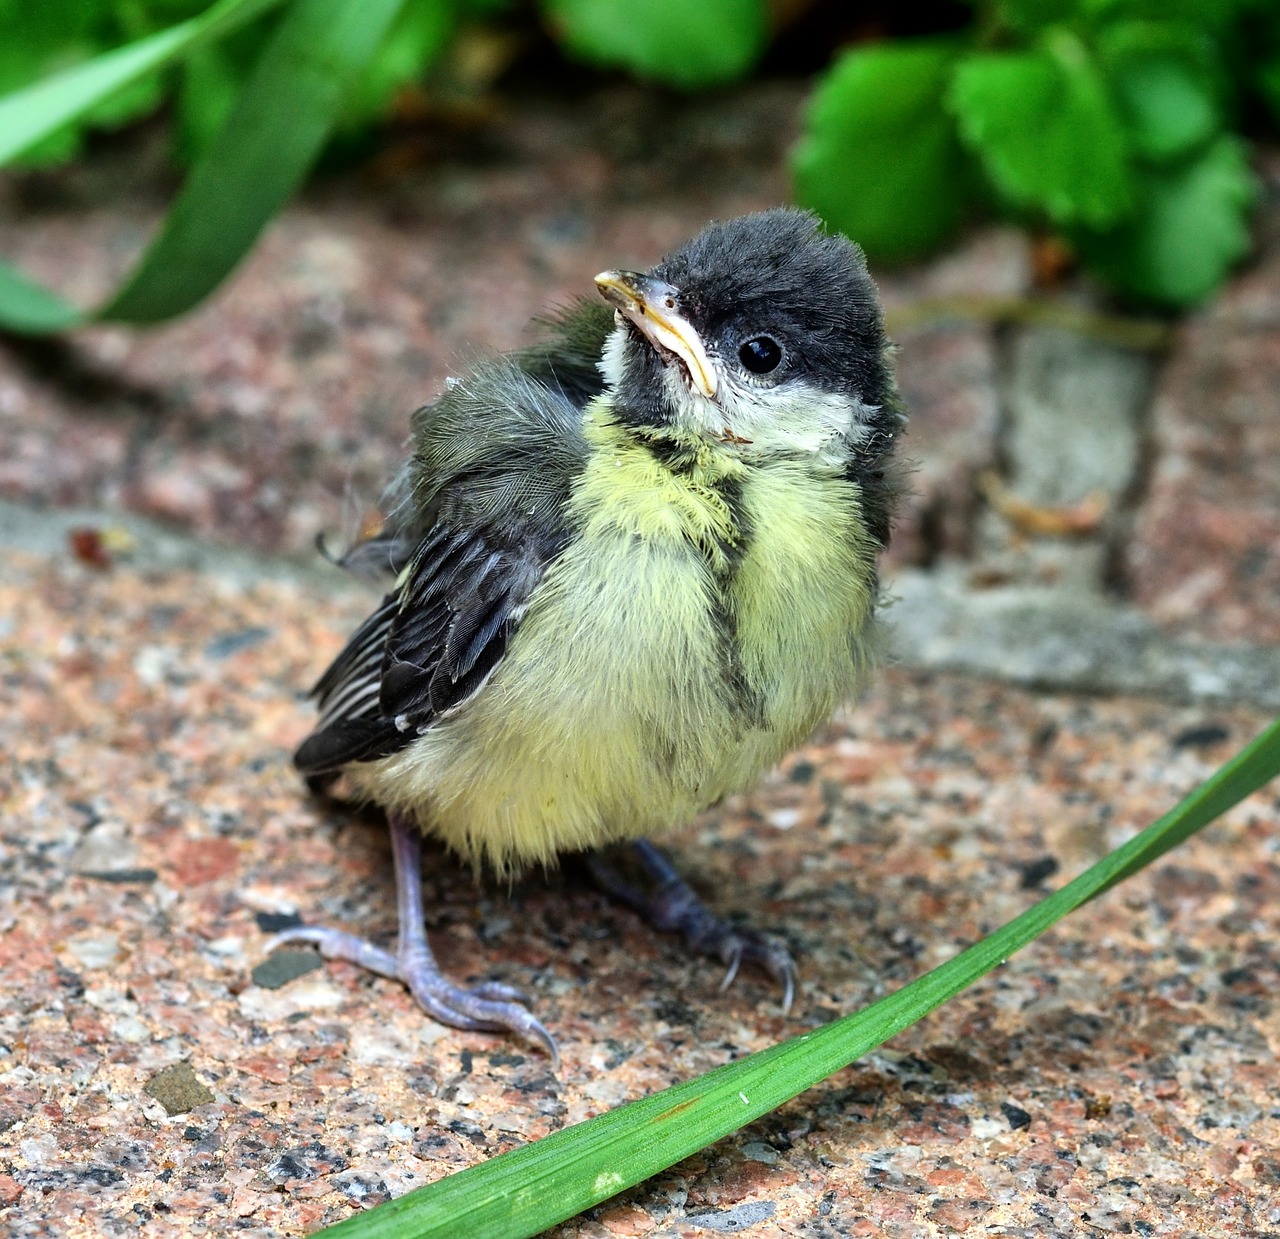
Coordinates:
634 565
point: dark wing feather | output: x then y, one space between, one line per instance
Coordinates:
569 358
453 627
427 649
483 505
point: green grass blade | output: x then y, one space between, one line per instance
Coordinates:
31 309
34 112
277 128
523 1192
260 156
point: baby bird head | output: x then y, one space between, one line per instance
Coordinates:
761 331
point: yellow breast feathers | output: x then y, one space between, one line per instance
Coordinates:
708 614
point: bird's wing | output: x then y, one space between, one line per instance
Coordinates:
565 360
424 652
568 357
484 504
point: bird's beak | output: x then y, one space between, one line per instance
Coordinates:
650 304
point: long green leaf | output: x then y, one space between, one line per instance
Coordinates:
259 158
272 137
36 111
523 1192
31 309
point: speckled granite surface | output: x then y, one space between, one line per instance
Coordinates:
279 407
1120 1076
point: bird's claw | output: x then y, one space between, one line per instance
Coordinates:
491 1006
739 946
488 1007
673 905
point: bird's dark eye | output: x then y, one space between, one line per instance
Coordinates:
760 354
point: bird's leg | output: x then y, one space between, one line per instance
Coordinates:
671 904
490 1006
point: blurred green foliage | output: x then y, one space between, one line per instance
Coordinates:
1111 122
1114 124
37 39
681 44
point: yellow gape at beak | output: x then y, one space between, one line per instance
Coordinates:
650 304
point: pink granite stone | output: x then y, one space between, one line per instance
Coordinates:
1118 1075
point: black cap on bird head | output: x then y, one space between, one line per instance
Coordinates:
759 328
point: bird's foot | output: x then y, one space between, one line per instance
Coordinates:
490 1006
672 905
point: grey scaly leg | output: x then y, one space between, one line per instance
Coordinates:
671 904
490 1006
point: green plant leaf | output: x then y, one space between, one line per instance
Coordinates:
1268 82
273 135
127 104
879 159
1210 16
38 39
43 108
212 78
685 43
521 1193
55 148
1191 225
1162 75
1254 59
419 34
1033 16
259 157
30 309
1045 130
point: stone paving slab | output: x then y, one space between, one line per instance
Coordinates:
1205 555
1119 1076
279 408
1057 639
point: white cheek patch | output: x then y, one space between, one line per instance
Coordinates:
794 418
798 417
692 409
613 360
